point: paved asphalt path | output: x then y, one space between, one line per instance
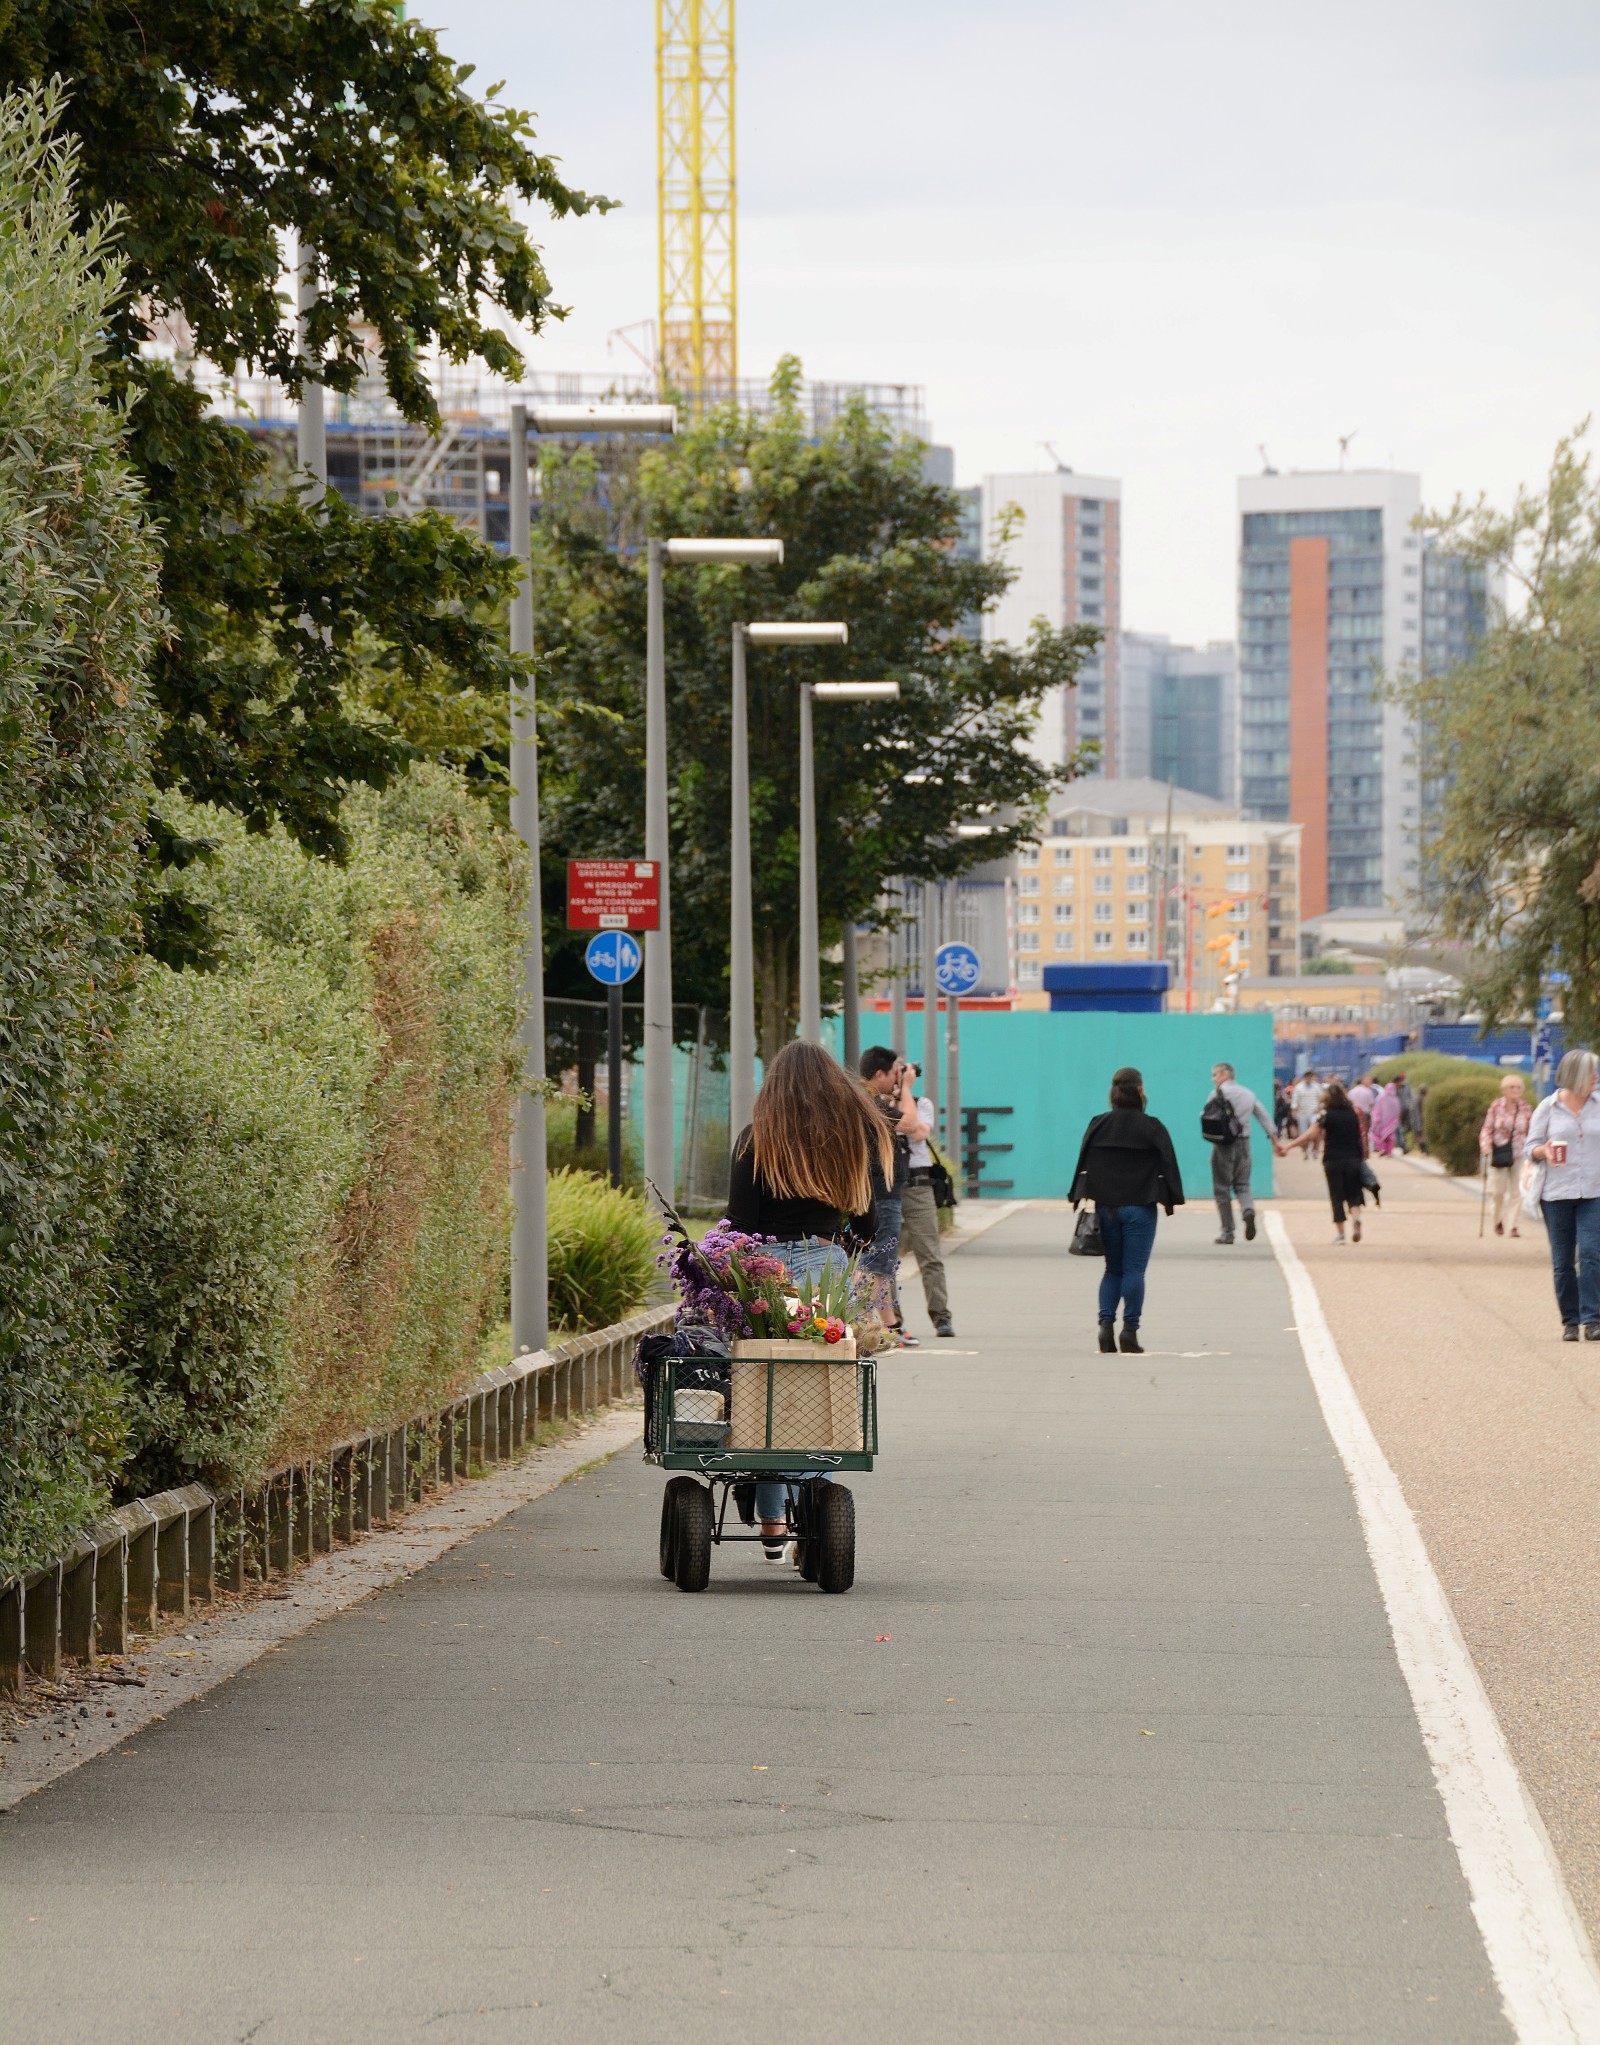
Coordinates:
1132 1760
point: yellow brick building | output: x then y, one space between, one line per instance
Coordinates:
1096 891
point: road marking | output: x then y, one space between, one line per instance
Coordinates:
1535 1942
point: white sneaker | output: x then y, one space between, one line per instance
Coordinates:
777 1552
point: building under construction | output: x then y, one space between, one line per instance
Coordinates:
383 465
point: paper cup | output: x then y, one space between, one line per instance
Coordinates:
1558 1153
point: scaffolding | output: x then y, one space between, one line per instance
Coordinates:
696 199
386 466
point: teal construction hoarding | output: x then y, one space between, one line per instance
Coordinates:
1053 1072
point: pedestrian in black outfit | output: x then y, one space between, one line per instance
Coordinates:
1127 1168
1344 1152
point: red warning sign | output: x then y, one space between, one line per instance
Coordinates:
613 894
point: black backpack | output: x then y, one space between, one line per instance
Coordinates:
1216 1119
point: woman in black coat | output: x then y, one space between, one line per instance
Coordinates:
1128 1169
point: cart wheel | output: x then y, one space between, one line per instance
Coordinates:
833 1519
808 1527
694 1520
669 1498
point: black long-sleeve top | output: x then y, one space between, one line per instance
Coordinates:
1344 1141
1127 1160
754 1208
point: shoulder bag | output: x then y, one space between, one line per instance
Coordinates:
1086 1236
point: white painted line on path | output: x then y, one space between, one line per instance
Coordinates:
989 1213
1535 1942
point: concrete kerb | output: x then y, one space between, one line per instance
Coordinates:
162 1554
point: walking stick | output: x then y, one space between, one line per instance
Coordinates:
1483 1197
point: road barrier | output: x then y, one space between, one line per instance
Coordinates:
164 1554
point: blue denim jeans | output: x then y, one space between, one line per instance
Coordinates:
1573 1227
808 1259
1129 1234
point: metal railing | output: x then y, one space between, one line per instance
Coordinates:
164 1554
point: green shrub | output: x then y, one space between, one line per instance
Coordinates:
1427 1068
313 1229
603 1246
1453 1114
79 616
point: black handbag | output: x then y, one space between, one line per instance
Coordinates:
1503 1155
1086 1240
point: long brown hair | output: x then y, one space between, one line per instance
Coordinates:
815 1131
1334 1095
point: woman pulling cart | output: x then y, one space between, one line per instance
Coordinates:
778 1276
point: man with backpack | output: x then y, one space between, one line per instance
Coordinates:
1225 1124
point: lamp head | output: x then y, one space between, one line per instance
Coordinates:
747 553
601 418
855 692
797 634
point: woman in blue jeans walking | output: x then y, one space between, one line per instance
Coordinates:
1127 1168
808 1171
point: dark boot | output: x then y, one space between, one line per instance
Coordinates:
1131 1345
1108 1337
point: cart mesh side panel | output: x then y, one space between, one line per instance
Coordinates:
773 1414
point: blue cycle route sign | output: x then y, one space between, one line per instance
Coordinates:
956 968
613 957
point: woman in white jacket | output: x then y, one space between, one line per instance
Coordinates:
1564 1136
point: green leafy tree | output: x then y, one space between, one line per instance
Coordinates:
867 539
79 617
1513 848
219 128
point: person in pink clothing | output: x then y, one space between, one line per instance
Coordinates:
1501 1141
1386 1120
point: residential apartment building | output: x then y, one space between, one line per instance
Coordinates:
1337 589
1219 898
1177 713
1068 554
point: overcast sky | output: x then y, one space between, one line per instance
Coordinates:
1153 234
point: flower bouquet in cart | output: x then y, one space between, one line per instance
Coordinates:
732 1282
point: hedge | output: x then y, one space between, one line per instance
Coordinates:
1453 1114
79 617
1427 1068
313 1230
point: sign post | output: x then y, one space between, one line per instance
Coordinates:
613 896
956 969
613 957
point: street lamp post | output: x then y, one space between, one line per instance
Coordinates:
928 931
810 939
850 996
897 982
741 936
311 431
659 1148
530 1258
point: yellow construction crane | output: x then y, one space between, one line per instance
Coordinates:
694 150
